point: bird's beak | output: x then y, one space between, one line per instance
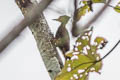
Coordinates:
55 19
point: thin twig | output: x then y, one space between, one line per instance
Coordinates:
113 7
94 19
101 59
74 18
29 19
95 62
110 51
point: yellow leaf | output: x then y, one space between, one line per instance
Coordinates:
82 11
98 1
117 8
79 63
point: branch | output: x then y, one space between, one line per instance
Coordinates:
33 14
40 29
94 19
74 19
110 51
43 37
113 7
95 62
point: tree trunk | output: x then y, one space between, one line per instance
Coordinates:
43 37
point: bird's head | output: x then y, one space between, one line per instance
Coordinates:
63 19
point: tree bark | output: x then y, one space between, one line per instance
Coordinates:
43 37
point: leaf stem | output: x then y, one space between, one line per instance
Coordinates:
109 51
94 62
112 6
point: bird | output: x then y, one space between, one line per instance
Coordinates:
62 38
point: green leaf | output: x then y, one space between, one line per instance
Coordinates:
98 1
79 63
117 7
82 11
87 7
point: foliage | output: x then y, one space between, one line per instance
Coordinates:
87 7
117 7
82 10
98 1
83 59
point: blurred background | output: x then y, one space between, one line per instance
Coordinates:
22 61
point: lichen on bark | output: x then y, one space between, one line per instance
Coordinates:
43 37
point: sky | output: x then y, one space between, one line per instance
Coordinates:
22 61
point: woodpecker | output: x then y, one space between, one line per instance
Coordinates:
62 39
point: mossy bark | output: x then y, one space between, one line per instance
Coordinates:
43 37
